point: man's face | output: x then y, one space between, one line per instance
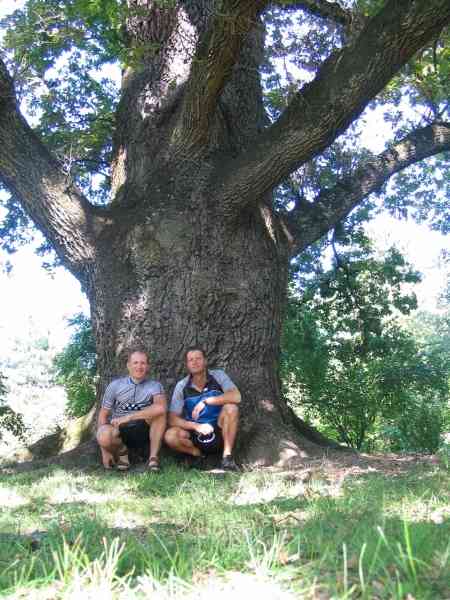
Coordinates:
138 366
195 362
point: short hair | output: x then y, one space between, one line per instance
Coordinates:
194 349
135 350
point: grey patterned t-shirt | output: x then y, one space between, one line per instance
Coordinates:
123 396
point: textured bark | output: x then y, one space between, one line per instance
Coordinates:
48 196
190 251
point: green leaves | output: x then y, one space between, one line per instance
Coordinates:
76 367
61 55
348 364
10 420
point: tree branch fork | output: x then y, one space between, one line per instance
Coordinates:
313 119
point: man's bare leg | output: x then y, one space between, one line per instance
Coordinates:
179 439
157 428
228 422
111 445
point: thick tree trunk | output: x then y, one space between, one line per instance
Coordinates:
190 250
181 276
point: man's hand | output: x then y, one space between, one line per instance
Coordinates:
204 428
120 420
198 409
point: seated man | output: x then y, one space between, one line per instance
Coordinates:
203 413
133 413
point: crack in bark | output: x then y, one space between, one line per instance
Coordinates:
216 55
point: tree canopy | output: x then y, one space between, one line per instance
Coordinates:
349 362
231 146
58 53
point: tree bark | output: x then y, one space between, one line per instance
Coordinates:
191 250
185 277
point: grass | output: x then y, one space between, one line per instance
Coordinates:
74 533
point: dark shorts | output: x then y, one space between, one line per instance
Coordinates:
135 434
208 444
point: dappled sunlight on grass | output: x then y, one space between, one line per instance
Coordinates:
10 498
305 533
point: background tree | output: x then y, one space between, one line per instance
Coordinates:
350 365
26 362
191 245
10 420
76 367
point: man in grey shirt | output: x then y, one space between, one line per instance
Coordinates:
203 413
133 413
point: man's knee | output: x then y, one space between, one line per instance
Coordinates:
175 435
230 411
106 436
171 436
159 421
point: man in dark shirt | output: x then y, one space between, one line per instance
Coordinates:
203 413
133 414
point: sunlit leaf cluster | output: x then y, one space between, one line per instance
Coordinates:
349 363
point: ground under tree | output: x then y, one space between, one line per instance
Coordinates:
193 247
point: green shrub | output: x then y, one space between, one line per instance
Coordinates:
76 367
10 420
351 367
420 427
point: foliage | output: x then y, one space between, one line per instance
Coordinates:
63 53
419 428
349 364
10 420
58 51
280 536
76 367
427 413
26 361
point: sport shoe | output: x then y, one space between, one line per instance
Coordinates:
228 463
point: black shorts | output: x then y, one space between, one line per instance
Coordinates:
208 444
135 434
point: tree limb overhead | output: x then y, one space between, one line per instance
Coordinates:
49 198
212 65
324 108
310 221
321 8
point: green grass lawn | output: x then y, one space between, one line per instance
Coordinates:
68 533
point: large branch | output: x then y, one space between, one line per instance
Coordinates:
310 221
324 108
216 55
321 8
30 172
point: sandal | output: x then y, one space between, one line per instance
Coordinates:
123 462
153 464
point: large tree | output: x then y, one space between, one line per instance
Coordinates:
194 246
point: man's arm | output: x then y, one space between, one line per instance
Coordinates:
159 407
232 396
176 421
103 417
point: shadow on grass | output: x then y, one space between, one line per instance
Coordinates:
189 523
